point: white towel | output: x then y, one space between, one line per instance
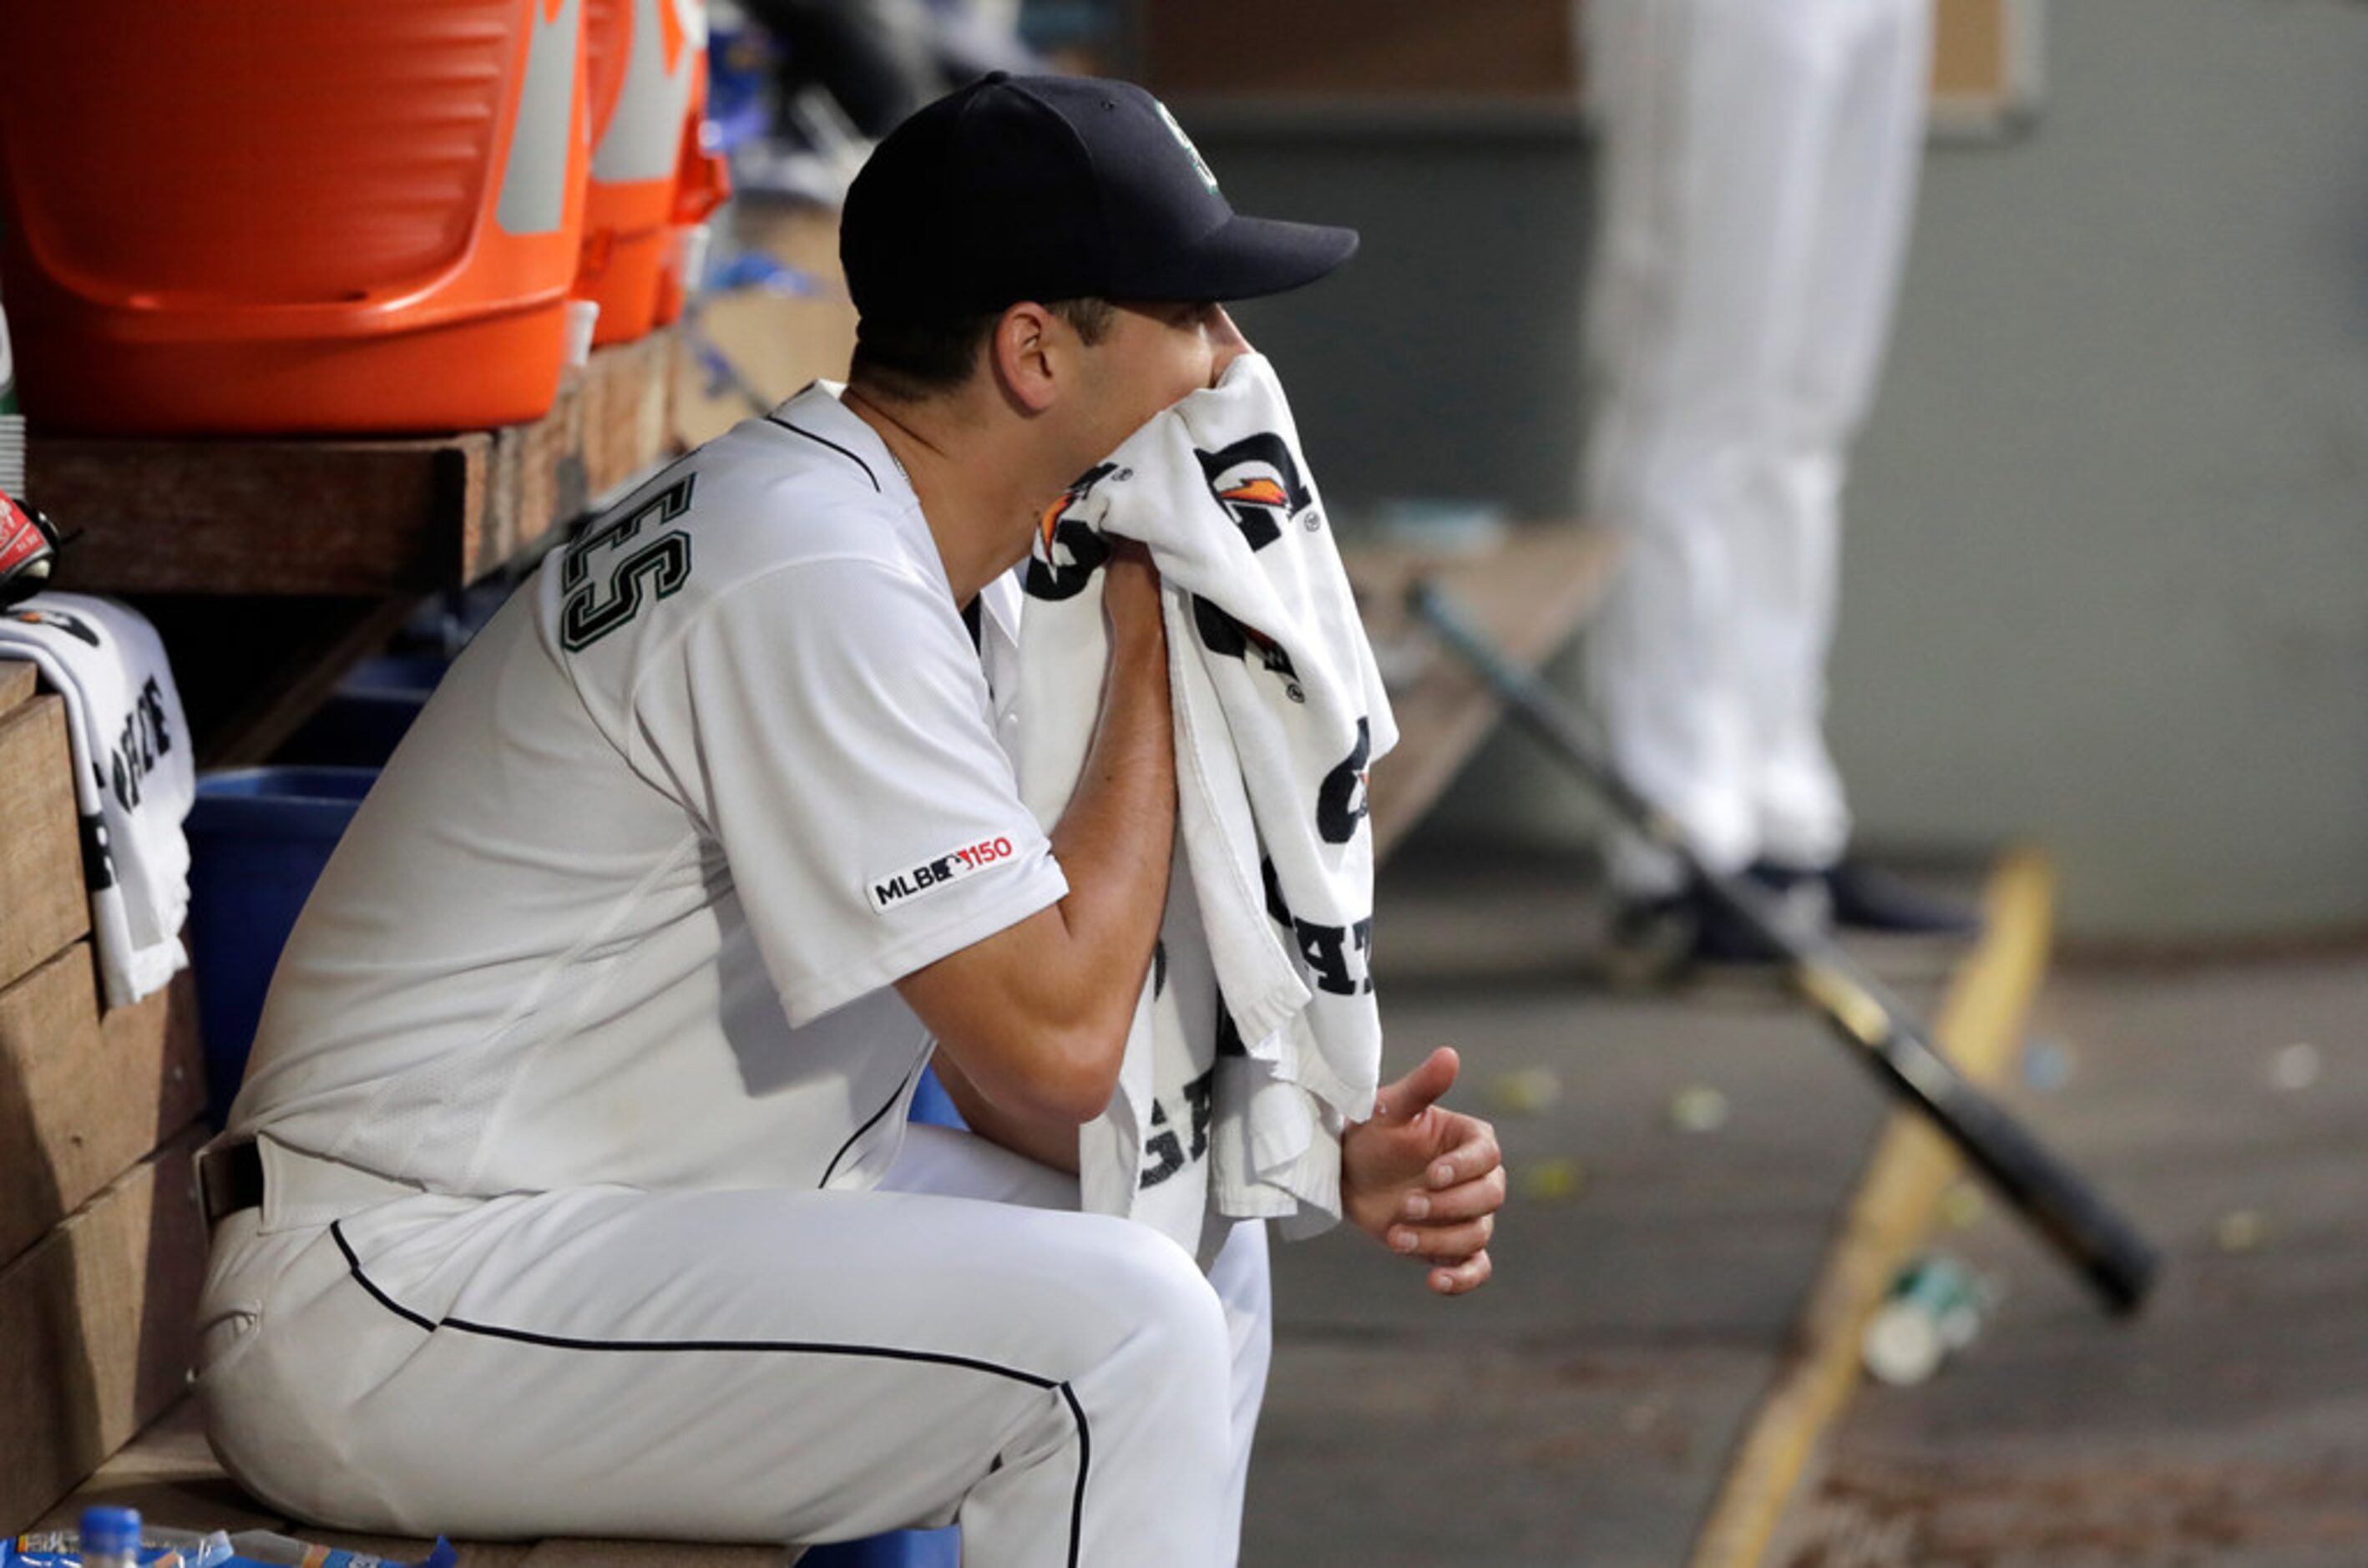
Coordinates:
1258 1038
134 779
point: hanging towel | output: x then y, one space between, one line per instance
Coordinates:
1257 1039
133 776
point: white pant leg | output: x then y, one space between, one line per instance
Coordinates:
1716 116
1862 214
938 1159
760 1365
1244 1286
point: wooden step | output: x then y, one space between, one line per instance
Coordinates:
350 518
169 1474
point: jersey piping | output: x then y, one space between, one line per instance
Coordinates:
833 446
869 1123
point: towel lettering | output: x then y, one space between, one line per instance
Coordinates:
145 738
1339 957
1222 635
97 859
1257 480
1340 804
73 626
1069 550
1163 1153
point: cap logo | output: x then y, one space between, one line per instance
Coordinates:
1200 163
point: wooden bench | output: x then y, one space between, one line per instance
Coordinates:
170 1476
101 1250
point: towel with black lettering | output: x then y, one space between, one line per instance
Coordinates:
1258 1038
134 780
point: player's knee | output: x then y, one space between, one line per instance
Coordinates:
1164 1296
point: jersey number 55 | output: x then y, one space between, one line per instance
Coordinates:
593 608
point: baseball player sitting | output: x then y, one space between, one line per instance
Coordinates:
570 1191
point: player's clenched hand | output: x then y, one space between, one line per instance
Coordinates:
1425 1180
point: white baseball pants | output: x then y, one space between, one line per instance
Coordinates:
1758 164
748 1366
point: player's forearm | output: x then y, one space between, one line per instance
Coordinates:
1036 1016
1114 840
1073 1001
1076 1003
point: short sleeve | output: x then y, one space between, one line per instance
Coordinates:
829 724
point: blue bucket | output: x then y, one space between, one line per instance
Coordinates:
359 724
933 1105
900 1549
258 838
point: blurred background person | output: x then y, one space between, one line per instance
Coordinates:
1758 165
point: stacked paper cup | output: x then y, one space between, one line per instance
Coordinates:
12 424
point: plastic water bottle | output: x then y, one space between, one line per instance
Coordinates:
109 1538
12 421
1934 1310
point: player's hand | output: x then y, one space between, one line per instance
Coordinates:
1131 600
1424 1180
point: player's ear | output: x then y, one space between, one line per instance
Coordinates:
1023 353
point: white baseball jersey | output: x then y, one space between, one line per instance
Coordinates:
626 905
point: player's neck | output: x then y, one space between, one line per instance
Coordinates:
977 493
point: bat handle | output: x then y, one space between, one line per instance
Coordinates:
2115 1259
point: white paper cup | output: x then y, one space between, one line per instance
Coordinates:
582 315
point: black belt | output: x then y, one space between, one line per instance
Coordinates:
230 1180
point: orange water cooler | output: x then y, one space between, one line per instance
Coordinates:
291 216
648 61
703 183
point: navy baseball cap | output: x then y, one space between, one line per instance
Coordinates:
1056 187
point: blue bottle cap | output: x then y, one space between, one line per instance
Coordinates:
110 1530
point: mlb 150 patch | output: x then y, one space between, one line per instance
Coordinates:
939 872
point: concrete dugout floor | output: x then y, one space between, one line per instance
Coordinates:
2229 1424
1586 1408
1582 1407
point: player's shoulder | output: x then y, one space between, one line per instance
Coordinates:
806 480
792 500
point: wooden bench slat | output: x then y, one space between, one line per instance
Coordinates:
169 1474
83 1098
97 1328
1530 593
43 906
361 518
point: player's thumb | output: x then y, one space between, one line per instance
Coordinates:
1419 1090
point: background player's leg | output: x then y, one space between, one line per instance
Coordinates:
1862 206
1708 129
752 1366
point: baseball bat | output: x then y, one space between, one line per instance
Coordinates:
2118 1262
